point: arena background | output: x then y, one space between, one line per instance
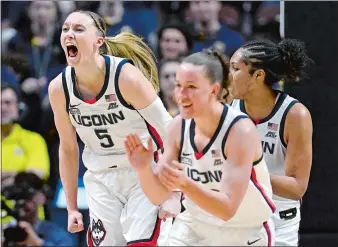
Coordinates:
316 23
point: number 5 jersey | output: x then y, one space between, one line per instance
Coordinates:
103 122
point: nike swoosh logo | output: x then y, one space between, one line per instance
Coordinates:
70 105
185 154
250 243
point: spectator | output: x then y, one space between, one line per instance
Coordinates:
174 40
18 63
38 38
167 84
9 76
22 150
211 33
138 19
39 232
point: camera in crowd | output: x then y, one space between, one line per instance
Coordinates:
23 191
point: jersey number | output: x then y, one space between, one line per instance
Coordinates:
103 135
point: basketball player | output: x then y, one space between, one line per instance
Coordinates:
284 124
213 154
103 98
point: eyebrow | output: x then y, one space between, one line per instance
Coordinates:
75 25
186 82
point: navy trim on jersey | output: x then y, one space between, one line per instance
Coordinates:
228 130
65 89
272 113
105 83
154 135
156 138
198 154
116 83
282 122
259 160
182 140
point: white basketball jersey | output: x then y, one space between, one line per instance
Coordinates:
205 167
271 130
104 123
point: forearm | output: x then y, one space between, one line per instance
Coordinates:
69 170
152 187
157 116
287 187
215 203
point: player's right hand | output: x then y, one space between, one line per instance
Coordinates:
139 156
75 222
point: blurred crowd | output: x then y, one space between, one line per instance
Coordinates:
33 202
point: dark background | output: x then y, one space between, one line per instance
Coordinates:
319 225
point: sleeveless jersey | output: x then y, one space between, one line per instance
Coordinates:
271 130
205 167
104 123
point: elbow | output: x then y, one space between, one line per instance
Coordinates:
299 192
68 148
228 212
158 200
155 201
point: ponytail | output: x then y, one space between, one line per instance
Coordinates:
127 45
130 46
217 69
224 92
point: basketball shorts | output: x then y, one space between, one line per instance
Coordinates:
120 213
286 221
187 231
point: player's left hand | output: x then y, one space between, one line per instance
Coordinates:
171 207
173 176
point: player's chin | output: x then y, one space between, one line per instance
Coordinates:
185 115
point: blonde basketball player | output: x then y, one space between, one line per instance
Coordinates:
213 155
284 124
103 97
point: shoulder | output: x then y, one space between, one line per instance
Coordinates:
56 84
297 114
33 137
176 125
128 73
56 89
243 126
175 129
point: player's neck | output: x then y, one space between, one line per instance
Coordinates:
259 103
91 71
209 121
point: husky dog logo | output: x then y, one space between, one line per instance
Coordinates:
98 232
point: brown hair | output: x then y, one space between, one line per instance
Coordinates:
129 46
217 69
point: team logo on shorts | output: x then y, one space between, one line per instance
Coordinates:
98 233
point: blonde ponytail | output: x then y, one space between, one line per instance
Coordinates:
130 46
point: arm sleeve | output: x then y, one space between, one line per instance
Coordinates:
157 116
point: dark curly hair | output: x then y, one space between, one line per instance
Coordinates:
286 60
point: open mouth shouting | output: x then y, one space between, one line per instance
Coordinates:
72 51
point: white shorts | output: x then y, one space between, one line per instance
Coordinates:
286 224
120 213
187 231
